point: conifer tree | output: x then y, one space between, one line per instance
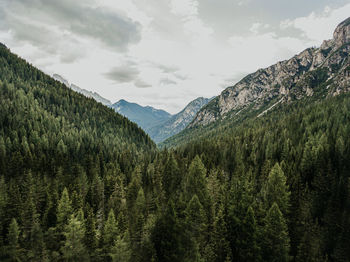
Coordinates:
90 238
166 237
3 202
37 245
138 218
29 213
13 248
275 190
121 250
195 184
171 177
276 240
219 243
73 248
196 222
110 232
64 209
249 249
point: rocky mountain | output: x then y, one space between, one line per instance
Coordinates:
145 116
323 71
177 122
85 92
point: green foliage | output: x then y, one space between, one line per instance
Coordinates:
276 239
73 248
275 190
13 248
121 250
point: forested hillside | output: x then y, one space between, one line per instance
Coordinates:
79 182
51 138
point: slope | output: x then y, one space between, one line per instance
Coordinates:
316 73
45 125
145 116
177 122
83 91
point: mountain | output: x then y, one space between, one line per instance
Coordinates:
159 124
85 92
313 75
145 116
313 71
177 122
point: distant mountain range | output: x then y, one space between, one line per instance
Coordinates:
158 123
177 122
145 116
85 92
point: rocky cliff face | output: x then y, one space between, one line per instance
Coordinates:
327 67
177 122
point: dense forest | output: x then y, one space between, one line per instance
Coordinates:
79 182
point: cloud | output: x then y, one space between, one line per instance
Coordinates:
168 69
167 81
180 76
123 74
65 26
142 84
317 27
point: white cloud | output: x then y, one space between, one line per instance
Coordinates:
317 27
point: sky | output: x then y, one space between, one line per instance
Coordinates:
163 53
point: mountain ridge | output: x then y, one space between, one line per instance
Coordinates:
177 122
145 116
282 78
83 91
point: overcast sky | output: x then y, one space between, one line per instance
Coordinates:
163 53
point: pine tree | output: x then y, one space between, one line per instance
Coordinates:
239 199
13 248
90 238
110 232
37 245
249 249
73 248
28 212
171 177
64 210
276 240
195 184
167 237
121 250
3 202
275 190
219 243
196 222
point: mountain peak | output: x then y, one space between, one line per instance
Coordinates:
313 71
342 33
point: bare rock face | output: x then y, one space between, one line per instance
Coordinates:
291 79
341 34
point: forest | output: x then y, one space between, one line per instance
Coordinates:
79 182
